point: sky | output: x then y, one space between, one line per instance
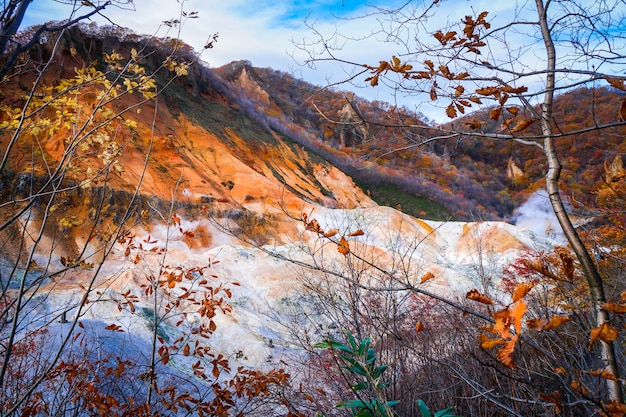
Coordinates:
266 32
261 31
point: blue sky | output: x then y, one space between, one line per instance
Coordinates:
264 32
261 31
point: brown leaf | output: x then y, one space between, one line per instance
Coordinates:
419 326
494 114
433 92
616 83
536 324
343 246
487 91
475 295
615 308
522 124
358 232
603 373
331 233
451 111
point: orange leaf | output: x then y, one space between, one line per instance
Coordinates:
603 373
331 233
506 352
427 276
503 323
494 114
517 312
475 295
555 322
419 326
604 332
615 308
521 290
536 324
578 386
186 350
487 343
343 246
358 232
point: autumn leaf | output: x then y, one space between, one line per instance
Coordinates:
578 386
616 83
487 343
603 373
475 295
505 353
521 290
433 92
614 308
494 114
604 332
451 111
427 276
555 322
536 324
343 246
522 125
503 321
419 326
358 232
487 91
474 124
517 311
331 233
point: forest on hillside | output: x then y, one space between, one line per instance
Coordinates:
179 240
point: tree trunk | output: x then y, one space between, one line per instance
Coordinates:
594 280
